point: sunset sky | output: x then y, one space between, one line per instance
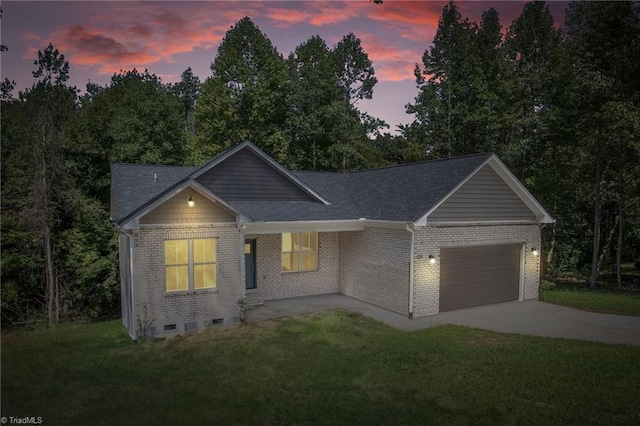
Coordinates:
101 38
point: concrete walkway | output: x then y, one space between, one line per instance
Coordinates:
530 318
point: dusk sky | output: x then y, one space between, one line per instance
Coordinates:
102 38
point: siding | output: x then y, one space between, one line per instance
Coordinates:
176 210
374 267
484 197
246 177
188 310
272 283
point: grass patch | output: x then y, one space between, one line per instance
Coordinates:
327 368
603 301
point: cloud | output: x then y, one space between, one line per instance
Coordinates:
135 35
391 62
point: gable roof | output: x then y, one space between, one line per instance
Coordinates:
396 193
135 187
403 193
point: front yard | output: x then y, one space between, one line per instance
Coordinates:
326 368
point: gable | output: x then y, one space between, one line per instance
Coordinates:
176 210
246 177
484 197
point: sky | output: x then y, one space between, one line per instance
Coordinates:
101 38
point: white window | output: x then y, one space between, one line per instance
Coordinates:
299 251
190 264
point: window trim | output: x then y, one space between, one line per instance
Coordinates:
191 265
300 251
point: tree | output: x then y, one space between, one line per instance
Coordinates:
244 98
34 181
187 90
604 39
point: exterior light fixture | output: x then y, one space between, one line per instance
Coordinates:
432 259
534 251
190 202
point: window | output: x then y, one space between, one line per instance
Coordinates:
299 251
190 264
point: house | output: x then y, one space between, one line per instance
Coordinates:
416 239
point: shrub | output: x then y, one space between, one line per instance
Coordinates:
547 285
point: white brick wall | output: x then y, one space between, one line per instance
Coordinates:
272 283
429 239
374 267
182 308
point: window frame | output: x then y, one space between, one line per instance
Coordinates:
299 251
191 276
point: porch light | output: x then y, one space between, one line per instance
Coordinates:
190 202
432 259
534 251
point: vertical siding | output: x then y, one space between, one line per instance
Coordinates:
272 283
485 196
176 211
245 176
374 267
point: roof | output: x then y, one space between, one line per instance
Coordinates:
133 185
389 193
386 193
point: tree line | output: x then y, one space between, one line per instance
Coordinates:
560 105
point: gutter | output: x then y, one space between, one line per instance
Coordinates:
411 284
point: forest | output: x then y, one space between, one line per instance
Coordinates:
558 102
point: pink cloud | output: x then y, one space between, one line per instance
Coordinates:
392 63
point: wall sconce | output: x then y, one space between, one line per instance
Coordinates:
534 251
432 260
190 202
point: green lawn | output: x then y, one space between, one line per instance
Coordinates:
332 368
608 302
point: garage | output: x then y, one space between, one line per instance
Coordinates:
479 275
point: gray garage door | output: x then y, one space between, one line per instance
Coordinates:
482 275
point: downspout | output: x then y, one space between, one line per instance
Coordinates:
134 318
413 238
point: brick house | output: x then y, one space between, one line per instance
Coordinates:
416 239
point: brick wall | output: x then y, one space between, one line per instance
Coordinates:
374 267
192 309
272 283
429 239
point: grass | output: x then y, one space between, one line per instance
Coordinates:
603 301
331 368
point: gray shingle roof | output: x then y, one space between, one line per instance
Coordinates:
133 185
401 193
397 193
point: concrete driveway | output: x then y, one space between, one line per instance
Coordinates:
529 318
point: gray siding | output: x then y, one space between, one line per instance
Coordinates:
177 211
246 177
476 276
484 197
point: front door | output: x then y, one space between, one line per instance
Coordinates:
250 263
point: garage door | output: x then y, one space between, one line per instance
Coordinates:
480 275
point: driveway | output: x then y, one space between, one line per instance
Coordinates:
529 318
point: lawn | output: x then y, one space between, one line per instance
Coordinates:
603 301
331 368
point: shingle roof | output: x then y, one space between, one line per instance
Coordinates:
397 193
400 193
132 185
